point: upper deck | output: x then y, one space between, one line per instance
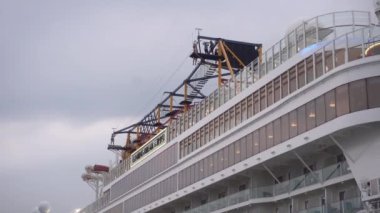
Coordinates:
303 55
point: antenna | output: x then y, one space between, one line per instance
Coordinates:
198 30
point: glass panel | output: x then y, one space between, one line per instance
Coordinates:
250 106
225 157
291 44
358 95
285 85
232 117
330 105
249 139
270 135
320 110
277 131
293 123
226 121
310 112
329 57
270 93
325 27
342 102
292 80
301 77
263 101
276 55
309 69
238 113
243 148
361 18
231 154
284 50
311 30
256 142
269 60
301 117
263 138
300 37
340 51
237 146
285 127
318 63
256 102
354 41
373 88
244 110
277 89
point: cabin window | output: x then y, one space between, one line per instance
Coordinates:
250 106
263 138
320 110
310 115
358 95
342 100
256 142
301 117
277 131
293 124
249 139
285 85
301 77
309 69
330 105
373 87
293 80
285 127
256 102
269 135
270 93
277 89
263 100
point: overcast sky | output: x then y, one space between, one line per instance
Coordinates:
72 70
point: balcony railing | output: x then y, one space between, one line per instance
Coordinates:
316 30
302 181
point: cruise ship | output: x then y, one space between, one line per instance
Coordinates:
290 128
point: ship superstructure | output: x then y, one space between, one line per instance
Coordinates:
294 128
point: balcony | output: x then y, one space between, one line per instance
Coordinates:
273 192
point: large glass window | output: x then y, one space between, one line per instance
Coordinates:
285 85
225 157
318 64
270 135
310 112
293 80
285 127
232 117
293 123
373 85
238 113
244 110
277 131
301 77
221 124
358 95
226 121
231 154
249 140
220 160
309 69
237 146
250 106
320 110
270 93
342 101
277 91
256 102
263 101
301 117
243 148
330 105
256 142
263 139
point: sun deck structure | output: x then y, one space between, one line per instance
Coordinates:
295 130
